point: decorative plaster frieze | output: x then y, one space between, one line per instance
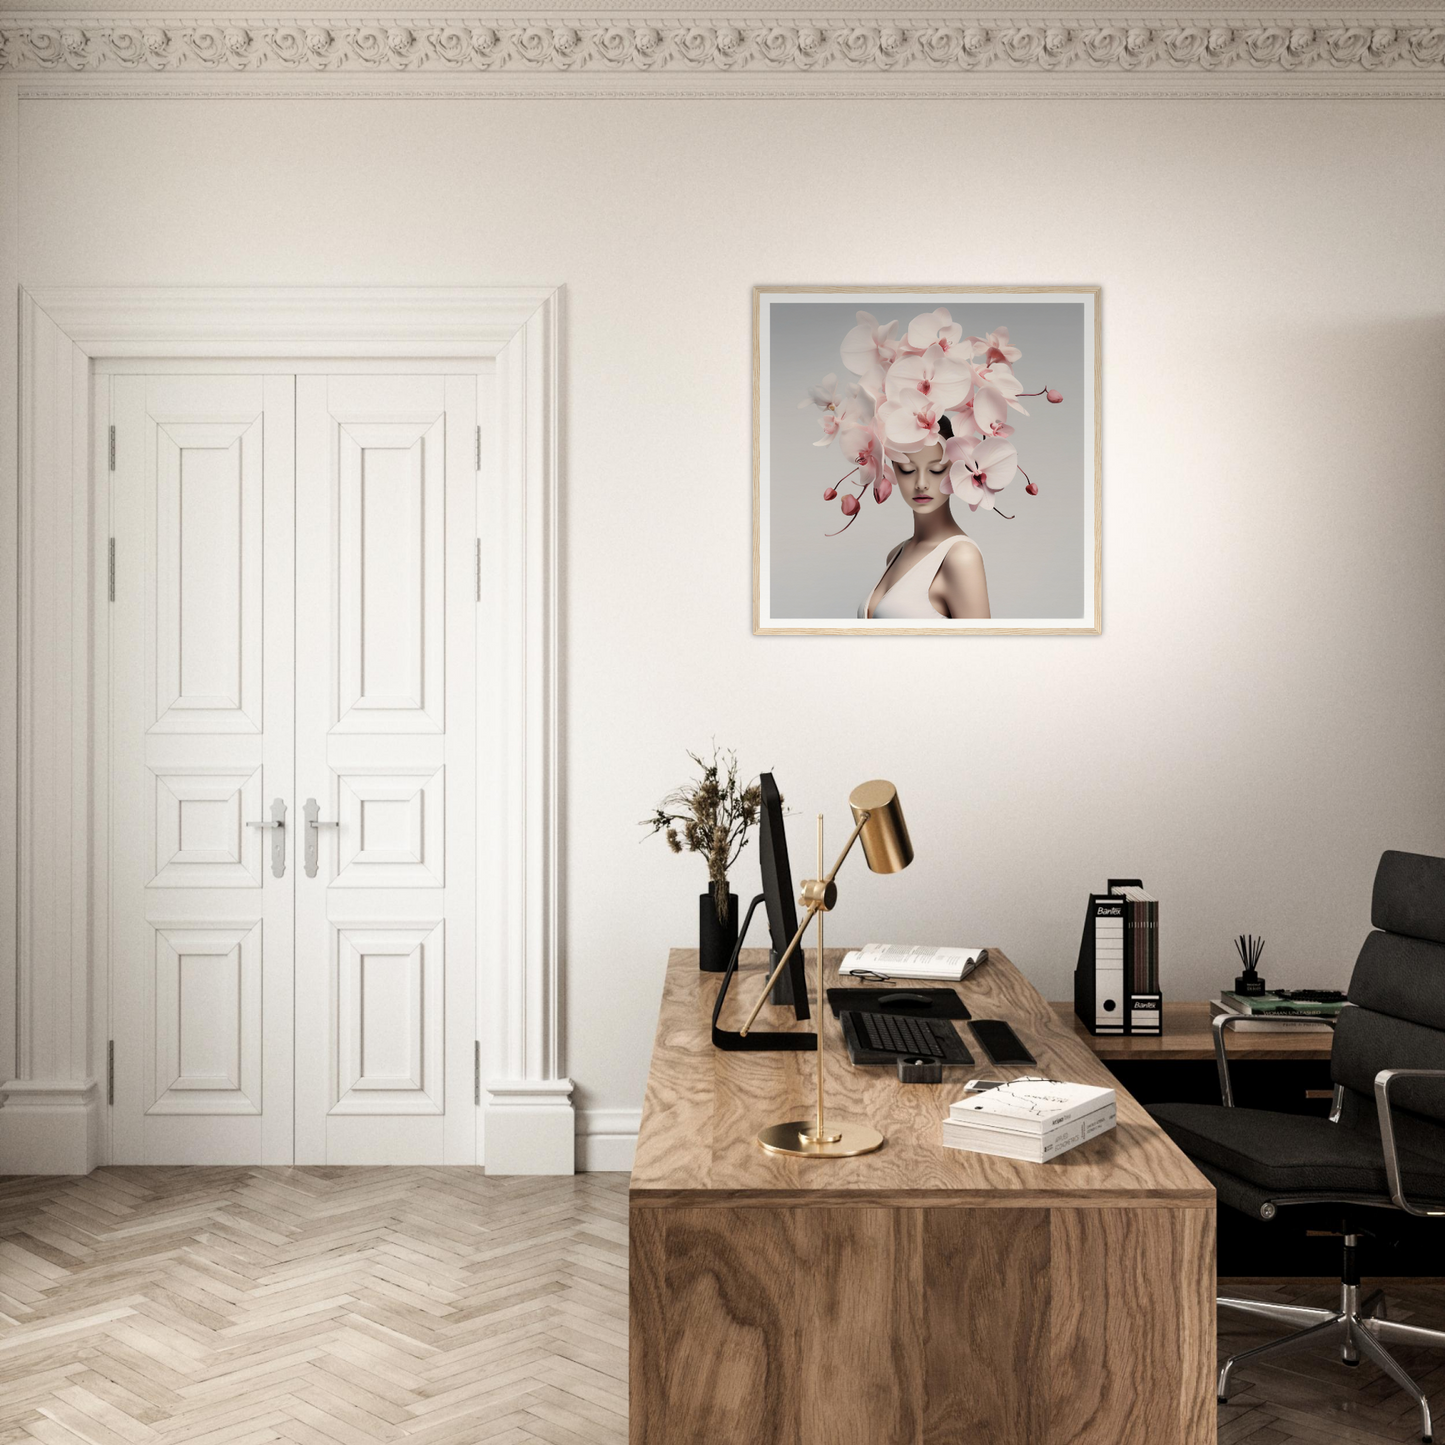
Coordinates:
928 46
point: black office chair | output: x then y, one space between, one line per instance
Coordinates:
1383 1146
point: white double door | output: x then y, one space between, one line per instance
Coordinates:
292 643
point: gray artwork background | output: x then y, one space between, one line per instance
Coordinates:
1035 564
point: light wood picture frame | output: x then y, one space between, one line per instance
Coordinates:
893 373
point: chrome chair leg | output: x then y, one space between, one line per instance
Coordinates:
1401 1334
1301 1340
1349 1308
1372 1349
1285 1314
1363 1327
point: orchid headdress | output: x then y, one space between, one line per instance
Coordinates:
929 385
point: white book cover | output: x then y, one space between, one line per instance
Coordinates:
1031 1105
1034 1148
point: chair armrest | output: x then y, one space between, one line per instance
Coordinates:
1383 1080
1222 1022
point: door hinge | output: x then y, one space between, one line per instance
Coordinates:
110 569
477 1072
479 447
110 1072
112 448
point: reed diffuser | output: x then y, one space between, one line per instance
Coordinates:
1249 948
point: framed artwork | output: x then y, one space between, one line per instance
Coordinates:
926 459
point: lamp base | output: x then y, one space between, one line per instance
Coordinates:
796 1137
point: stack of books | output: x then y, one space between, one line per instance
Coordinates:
1031 1119
1263 1012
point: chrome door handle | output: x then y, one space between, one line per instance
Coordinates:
278 842
314 825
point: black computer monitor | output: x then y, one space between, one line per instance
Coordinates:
777 898
791 987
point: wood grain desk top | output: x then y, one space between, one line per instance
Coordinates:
1187 1035
704 1106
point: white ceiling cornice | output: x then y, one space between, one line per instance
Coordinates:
920 52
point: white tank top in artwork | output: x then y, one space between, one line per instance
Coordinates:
907 599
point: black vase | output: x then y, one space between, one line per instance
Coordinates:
716 941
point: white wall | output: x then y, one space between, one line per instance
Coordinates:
1261 715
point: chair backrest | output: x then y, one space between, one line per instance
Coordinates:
1398 993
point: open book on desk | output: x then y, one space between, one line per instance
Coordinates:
902 960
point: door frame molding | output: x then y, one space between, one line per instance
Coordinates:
54 989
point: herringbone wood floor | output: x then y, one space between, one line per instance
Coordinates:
318 1306
426 1306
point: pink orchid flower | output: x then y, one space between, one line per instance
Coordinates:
824 396
911 424
864 448
999 375
869 347
933 379
990 407
995 346
858 408
934 328
981 470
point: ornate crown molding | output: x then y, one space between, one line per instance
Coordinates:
925 47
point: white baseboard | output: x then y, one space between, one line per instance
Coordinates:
530 1127
607 1139
49 1126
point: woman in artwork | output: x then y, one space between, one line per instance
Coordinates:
928 416
939 570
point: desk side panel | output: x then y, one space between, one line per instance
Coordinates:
922 1326
985 1314
1132 1326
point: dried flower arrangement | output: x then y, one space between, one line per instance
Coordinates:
711 816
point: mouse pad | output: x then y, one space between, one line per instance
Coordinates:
916 1003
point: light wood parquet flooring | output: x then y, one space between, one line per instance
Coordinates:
431 1307
243 1306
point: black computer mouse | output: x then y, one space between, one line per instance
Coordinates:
903 999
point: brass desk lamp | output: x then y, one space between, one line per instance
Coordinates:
878 821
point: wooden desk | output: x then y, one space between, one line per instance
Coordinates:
1188 1036
919 1295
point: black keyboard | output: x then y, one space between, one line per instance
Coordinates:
902 1037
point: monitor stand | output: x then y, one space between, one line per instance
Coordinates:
758 1040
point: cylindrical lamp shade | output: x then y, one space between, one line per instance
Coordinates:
885 840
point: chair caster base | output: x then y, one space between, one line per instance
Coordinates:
1353 1364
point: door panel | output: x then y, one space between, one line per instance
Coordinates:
390 574
201 743
385 674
